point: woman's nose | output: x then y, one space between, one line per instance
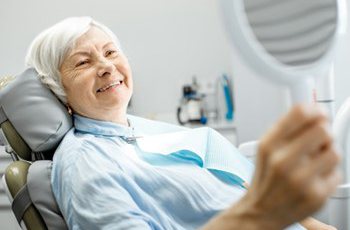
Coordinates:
106 67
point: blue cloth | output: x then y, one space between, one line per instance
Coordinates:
168 177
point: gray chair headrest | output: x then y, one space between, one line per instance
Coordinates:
34 111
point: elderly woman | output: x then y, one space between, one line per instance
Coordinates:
103 179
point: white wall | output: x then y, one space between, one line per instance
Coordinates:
167 42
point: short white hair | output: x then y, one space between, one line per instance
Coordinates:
49 48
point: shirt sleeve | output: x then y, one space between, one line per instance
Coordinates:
103 197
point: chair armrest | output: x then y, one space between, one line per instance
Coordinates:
249 149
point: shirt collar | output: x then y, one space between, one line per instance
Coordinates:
103 128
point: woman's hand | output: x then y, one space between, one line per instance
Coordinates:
295 170
295 173
313 224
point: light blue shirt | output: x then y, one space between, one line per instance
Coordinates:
171 178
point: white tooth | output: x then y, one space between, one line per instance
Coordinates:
109 86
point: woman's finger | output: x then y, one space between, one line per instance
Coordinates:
319 166
312 141
326 185
327 161
291 126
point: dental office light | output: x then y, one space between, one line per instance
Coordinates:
288 41
292 42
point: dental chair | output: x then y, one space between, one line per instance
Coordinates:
33 122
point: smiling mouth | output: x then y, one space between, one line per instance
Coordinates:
112 85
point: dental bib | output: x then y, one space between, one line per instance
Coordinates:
204 147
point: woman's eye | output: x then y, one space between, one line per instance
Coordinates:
81 63
111 53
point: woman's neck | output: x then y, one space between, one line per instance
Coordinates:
118 118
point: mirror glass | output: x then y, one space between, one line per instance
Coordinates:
294 32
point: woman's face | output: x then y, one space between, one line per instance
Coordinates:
97 77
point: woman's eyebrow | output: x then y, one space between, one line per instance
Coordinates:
80 53
107 44
86 53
